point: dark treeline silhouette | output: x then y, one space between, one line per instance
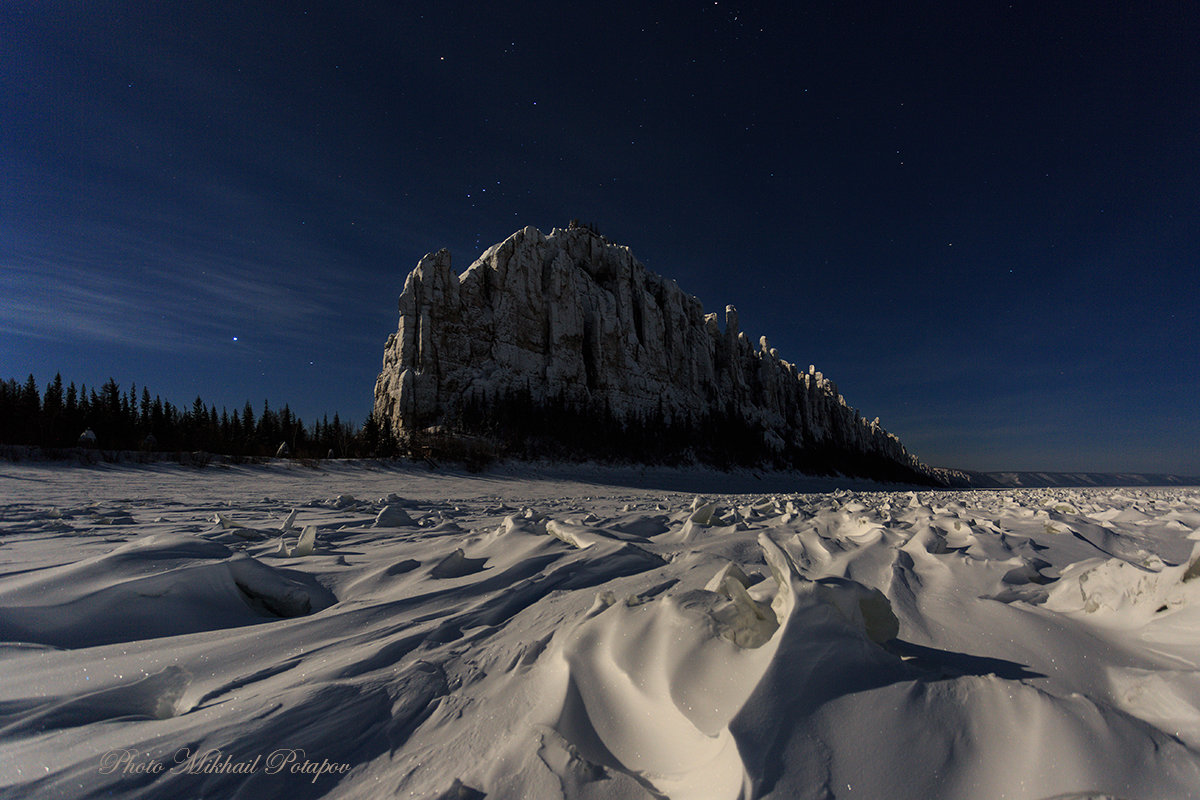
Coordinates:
514 425
520 426
129 420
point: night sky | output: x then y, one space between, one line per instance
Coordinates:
982 220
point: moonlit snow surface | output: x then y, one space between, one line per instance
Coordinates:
546 632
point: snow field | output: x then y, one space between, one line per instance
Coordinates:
558 632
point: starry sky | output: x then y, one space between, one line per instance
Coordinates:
982 220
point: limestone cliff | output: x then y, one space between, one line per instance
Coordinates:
562 341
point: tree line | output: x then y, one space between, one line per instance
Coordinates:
518 425
60 416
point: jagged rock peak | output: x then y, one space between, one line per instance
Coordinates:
567 343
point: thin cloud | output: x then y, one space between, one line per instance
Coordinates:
168 302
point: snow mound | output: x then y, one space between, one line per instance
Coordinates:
584 536
649 688
393 516
457 565
159 585
1116 591
158 696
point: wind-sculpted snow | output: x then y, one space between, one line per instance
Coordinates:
365 631
151 586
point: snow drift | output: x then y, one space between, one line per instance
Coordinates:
560 636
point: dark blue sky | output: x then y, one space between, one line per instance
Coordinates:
982 222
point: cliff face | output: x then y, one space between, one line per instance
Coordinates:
571 327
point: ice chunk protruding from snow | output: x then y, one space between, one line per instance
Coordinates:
308 541
456 565
393 516
305 545
1193 570
656 684
742 620
237 529
1115 591
731 570
745 621
864 608
702 512
269 591
583 536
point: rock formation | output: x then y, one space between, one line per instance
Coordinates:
562 343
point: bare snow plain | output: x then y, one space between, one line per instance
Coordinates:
363 630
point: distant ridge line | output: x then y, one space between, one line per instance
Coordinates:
1053 480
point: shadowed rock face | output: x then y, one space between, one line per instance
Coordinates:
571 328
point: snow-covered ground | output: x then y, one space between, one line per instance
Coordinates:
589 633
